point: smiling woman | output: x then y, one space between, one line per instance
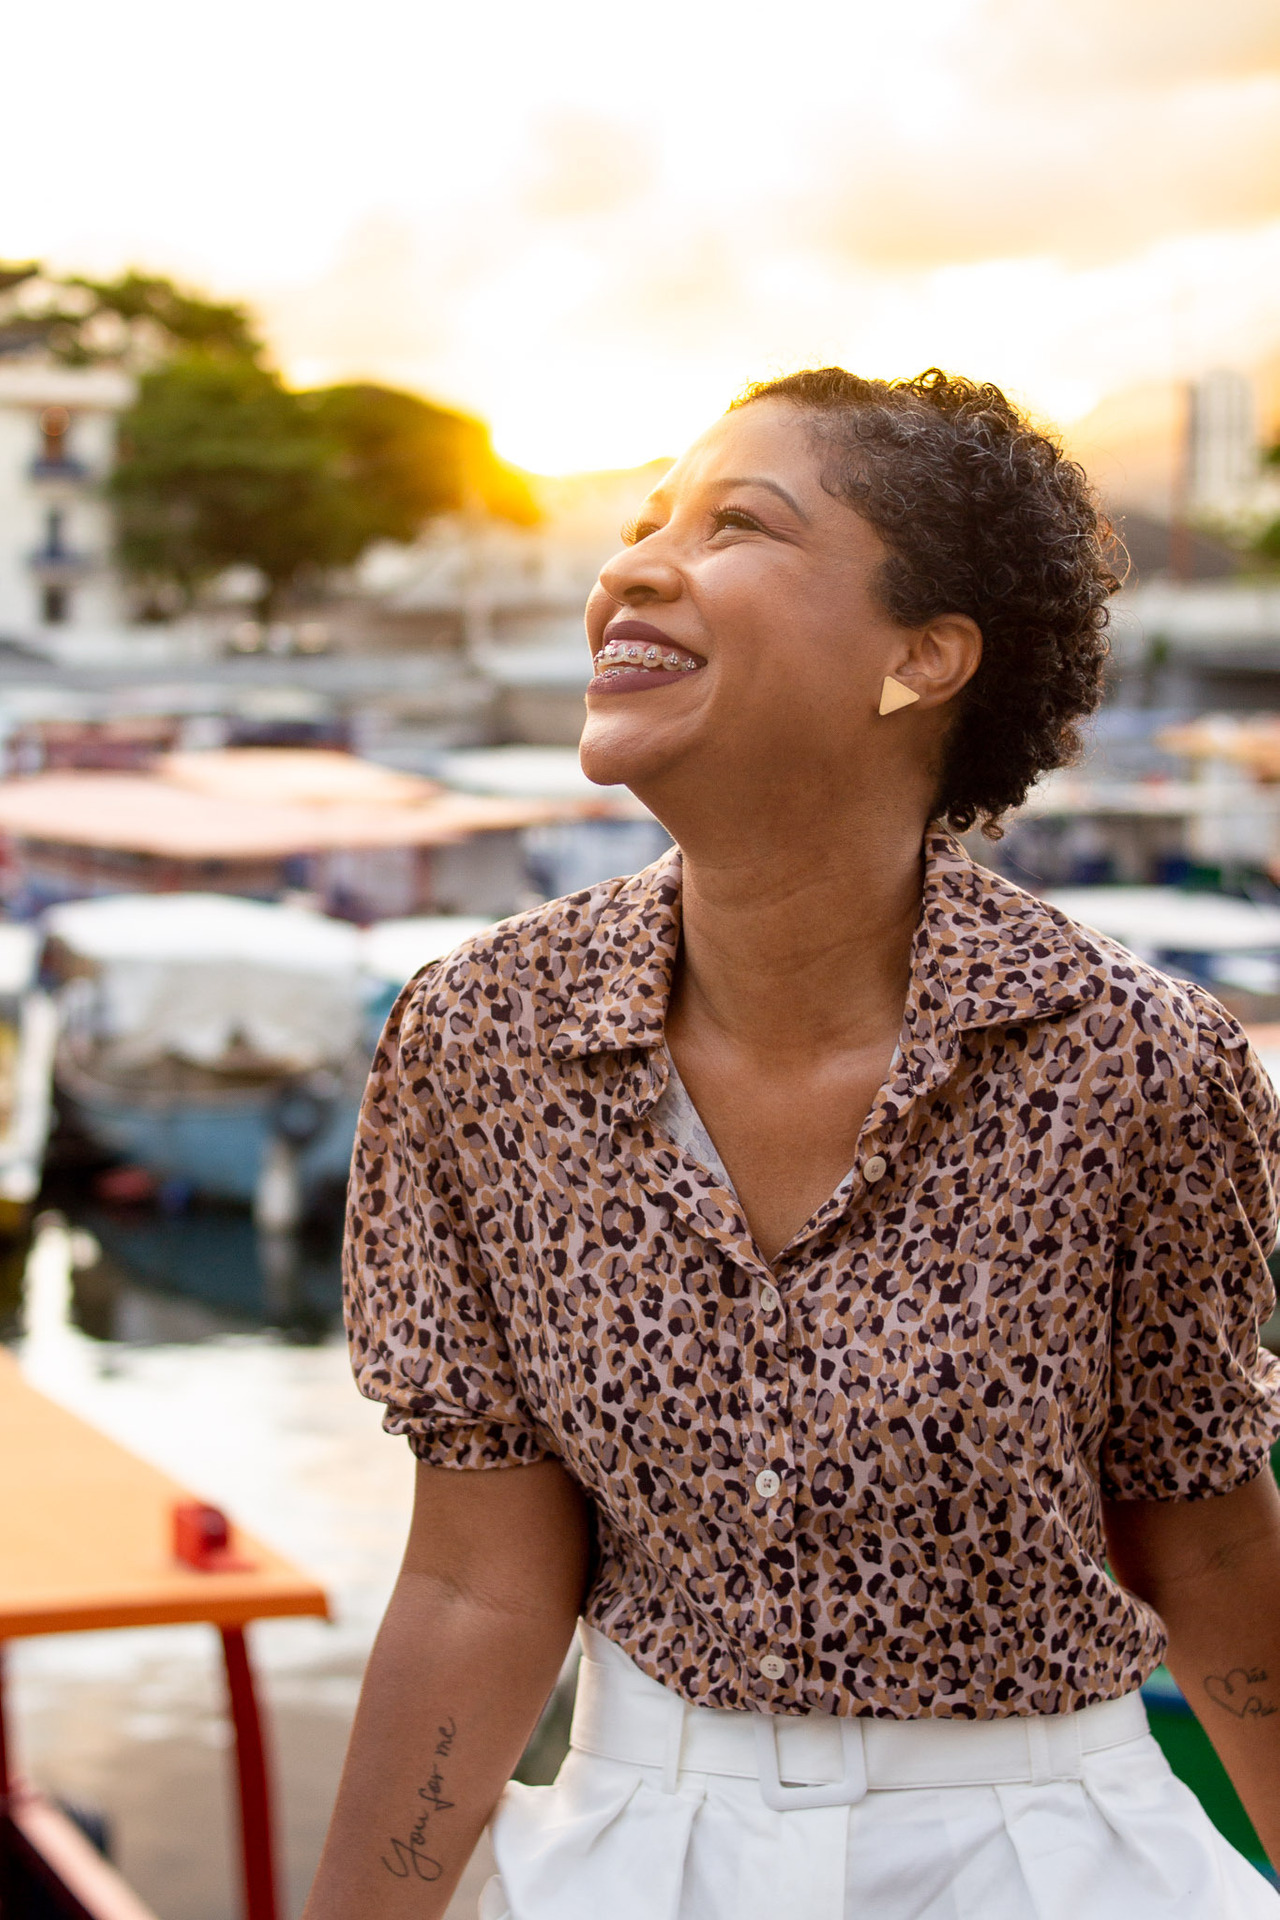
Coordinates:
976 513
812 1259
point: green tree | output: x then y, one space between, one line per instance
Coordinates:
406 460
137 319
157 318
219 465
1267 544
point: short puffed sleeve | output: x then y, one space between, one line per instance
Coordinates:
424 1334
1195 1396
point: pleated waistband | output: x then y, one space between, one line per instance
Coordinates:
818 1759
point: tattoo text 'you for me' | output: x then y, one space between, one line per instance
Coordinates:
411 1857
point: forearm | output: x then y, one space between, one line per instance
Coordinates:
1224 1652
1211 1570
452 1691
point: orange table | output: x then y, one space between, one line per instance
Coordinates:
85 1542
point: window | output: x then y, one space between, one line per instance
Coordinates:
54 424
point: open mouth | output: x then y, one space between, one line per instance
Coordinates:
635 655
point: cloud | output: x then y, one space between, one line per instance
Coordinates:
583 165
1124 45
377 309
1007 172
592 225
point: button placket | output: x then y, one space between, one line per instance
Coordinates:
771 1520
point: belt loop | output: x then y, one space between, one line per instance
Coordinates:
1054 1747
1067 1740
674 1745
853 1739
1039 1750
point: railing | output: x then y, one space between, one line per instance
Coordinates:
56 565
63 468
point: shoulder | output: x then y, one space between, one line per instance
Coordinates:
1169 1031
510 989
1008 957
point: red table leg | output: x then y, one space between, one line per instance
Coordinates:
251 1772
5 1783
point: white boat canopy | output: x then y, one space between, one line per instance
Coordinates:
1155 920
206 977
19 951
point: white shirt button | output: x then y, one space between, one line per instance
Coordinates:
875 1168
772 1666
769 1299
768 1483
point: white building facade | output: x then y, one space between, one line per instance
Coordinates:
57 442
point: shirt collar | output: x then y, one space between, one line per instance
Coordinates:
619 996
986 953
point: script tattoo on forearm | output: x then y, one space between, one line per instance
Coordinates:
1238 1691
411 1857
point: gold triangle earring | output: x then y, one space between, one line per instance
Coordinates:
893 694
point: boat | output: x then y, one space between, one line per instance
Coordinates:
222 1044
28 1029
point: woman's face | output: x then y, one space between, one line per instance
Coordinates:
738 629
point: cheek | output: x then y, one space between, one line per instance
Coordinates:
599 611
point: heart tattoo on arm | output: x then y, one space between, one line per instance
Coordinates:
1237 1691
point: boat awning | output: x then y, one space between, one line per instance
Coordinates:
203 977
247 813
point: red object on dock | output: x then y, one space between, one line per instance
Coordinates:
202 1539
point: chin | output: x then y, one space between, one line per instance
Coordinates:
617 750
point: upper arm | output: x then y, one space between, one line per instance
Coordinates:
426 1309
516 1539
1195 1399
1159 1547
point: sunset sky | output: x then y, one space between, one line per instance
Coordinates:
592 223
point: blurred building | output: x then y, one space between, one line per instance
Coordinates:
57 433
1196 646
506 602
1187 454
1224 449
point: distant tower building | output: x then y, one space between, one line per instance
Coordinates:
57 440
1223 444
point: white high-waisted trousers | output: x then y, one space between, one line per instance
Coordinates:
668 1812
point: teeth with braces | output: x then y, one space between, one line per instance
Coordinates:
615 658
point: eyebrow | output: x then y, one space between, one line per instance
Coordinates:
757 480
660 496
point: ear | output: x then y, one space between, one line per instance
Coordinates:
939 659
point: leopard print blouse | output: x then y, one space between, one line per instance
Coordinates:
867 1480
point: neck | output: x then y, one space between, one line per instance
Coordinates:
802 941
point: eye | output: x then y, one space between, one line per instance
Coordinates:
735 517
636 530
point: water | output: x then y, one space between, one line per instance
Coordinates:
220 1359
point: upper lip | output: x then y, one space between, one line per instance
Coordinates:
642 634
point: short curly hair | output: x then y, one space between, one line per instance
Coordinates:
983 515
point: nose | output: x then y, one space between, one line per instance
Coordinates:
639 575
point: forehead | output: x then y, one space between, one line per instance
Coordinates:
768 440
